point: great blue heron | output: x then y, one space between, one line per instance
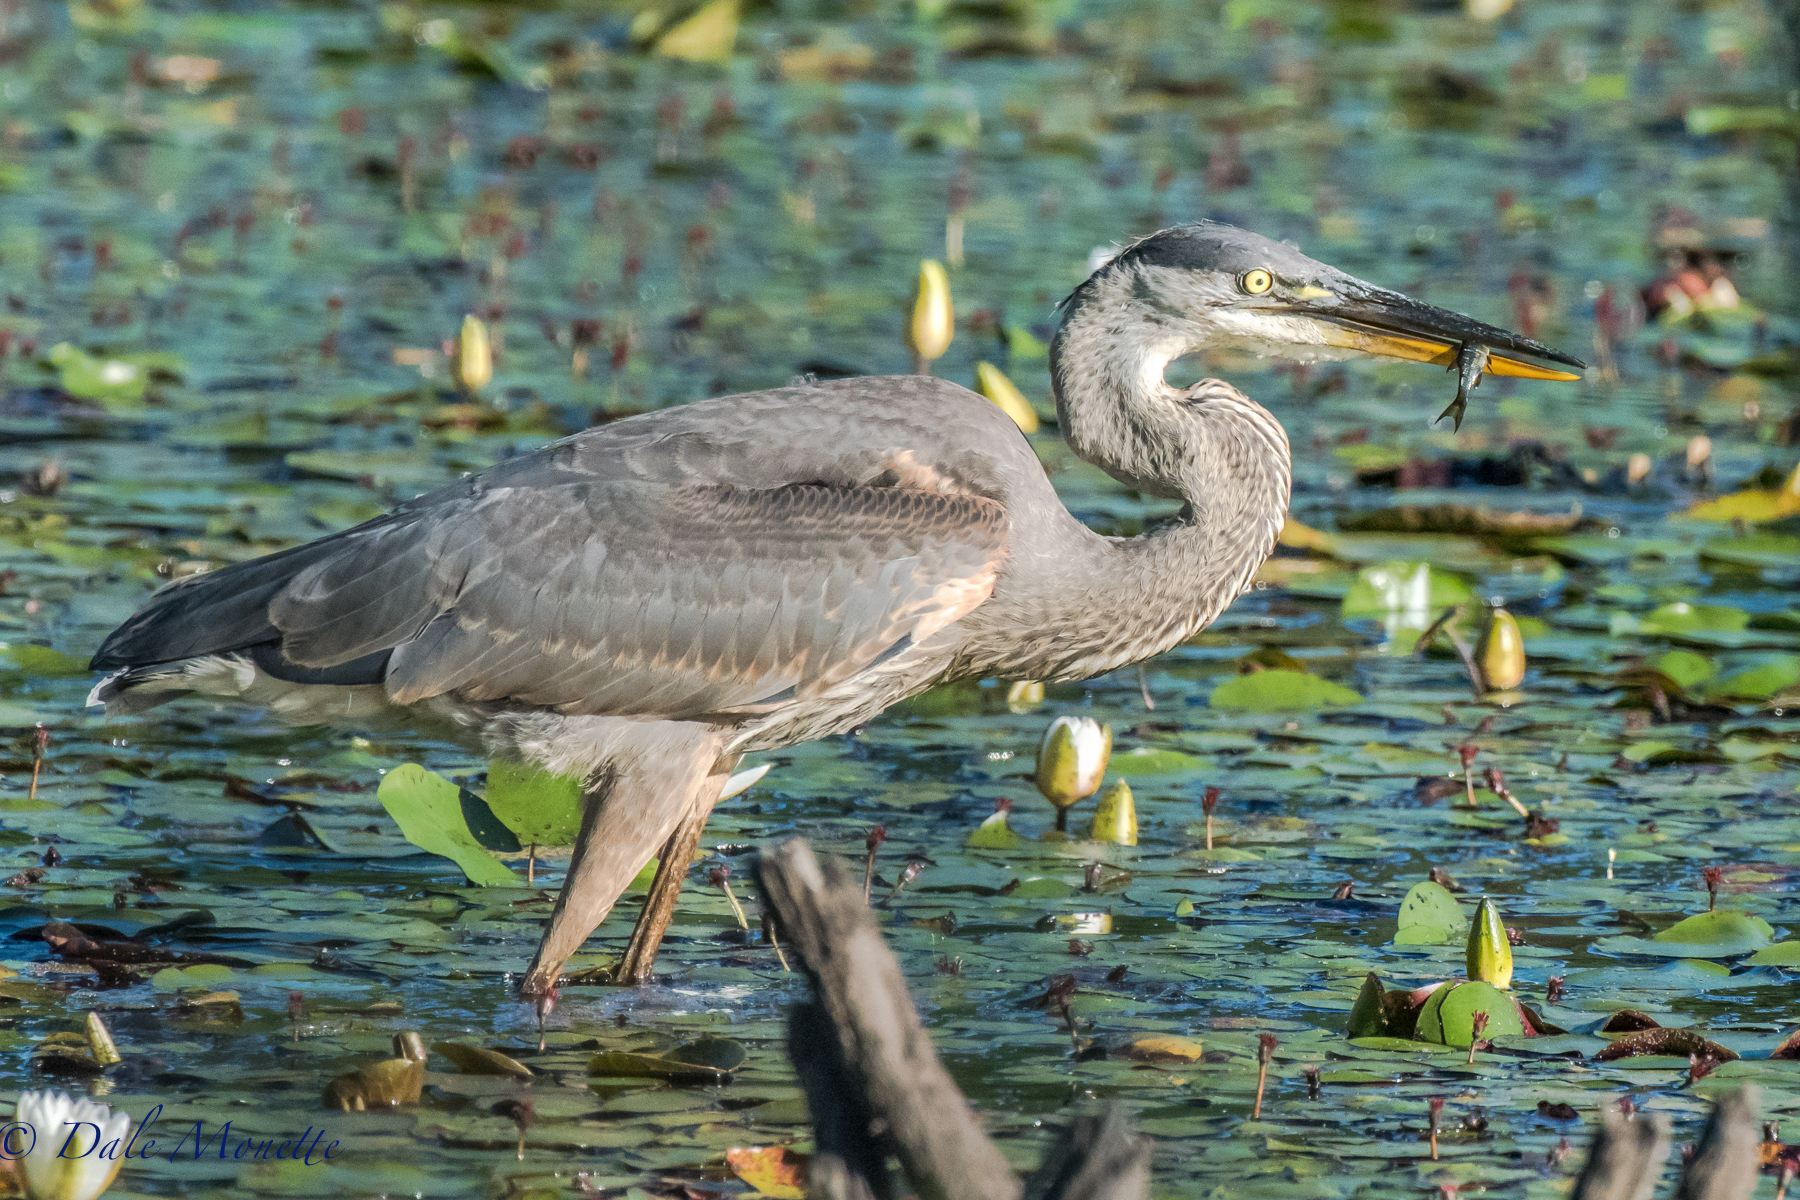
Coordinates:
642 603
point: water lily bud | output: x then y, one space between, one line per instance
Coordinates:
1115 818
1503 652
1489 956
1487 10
1699 449
1790 491
933 321
992 382
82 1174
474 357
1072 759
1637 468
1024 695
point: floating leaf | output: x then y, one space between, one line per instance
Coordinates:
618 1064
1759 682
1412 593
1781 954
1165 1048
1145 760
1429 916
475 1060
721 1054
994 834
1449 1014
40 662
1684 667
385 1084
1280 691
1676 1042
1682 617
428 809
118 380
1723 931
771 1170
1720 934
537 806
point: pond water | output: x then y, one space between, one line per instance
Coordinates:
234 240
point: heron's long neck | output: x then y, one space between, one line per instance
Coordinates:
1209 446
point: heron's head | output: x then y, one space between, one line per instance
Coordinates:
1212 285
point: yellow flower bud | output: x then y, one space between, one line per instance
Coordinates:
1072 759
1025 695
992 382
933 321
1115 818
1699 449
1637 468
1489 958
474 358
1790 492
1503 652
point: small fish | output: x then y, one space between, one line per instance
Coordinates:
1471 361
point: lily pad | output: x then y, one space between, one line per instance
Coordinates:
1280 691
428 808
1430 916
1449 1014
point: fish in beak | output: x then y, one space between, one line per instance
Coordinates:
1354 315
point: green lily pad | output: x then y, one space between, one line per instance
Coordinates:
40 662
1449 1014
1430 916
993 834
1720 934
1781 954
1143 760
1682 617
428 809
1774 673
1280 691
1685 667
536 805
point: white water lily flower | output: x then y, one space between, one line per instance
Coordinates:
1072 760
78 1149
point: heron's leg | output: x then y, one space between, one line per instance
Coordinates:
671 871
631 810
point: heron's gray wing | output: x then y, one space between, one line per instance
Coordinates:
638 599
625 597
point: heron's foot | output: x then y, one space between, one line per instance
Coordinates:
539 981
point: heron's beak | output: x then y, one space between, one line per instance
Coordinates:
1359 316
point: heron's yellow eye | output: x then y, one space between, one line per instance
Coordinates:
1257 282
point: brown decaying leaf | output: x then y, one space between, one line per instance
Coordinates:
1629 1020
1680 1043
1789 1048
